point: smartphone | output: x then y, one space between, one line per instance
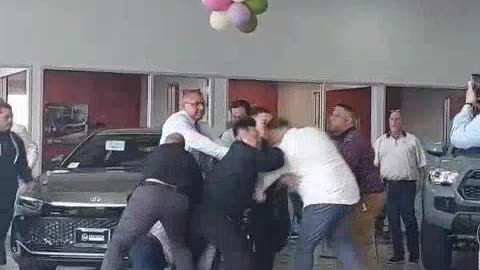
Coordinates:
476 83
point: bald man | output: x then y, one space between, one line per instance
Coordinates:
359 155
186 122
171 182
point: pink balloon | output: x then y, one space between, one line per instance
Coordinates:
217 5
239 14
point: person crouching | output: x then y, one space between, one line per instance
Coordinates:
172 178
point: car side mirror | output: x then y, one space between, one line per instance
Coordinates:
436 150
57 160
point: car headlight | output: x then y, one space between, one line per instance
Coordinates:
30 203
441 176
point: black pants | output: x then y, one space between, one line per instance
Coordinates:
225 234
401 205
148 204
8 193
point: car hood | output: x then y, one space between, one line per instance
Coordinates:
85 187
462 164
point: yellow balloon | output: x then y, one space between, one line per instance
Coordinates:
219 20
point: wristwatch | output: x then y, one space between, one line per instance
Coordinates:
471 105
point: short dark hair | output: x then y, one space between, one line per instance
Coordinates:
241 103
5 106
346 107
259 110
243 124
278 123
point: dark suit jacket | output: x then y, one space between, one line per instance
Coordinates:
229 186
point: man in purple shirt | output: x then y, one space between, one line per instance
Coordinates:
359 155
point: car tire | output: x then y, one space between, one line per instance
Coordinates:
436 248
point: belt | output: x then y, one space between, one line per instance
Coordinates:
399 181
163 184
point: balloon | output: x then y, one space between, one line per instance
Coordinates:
239 1
250 26
217 5
257 6
239 14
219 20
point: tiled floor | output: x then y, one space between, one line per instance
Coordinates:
463 261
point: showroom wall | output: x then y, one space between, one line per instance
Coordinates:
422 110
428 42
295 102
258 93
109 100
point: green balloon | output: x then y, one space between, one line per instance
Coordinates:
250 26
257 6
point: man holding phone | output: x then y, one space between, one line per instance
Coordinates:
466 124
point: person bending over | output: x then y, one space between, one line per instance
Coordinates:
171 183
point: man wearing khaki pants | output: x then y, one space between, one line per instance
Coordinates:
359 155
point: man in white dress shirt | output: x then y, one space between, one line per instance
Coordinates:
186 122
326 185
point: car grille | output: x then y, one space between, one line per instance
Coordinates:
57 233
470 186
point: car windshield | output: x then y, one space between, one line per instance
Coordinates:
112 151
473 152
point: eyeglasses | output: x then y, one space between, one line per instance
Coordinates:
196 104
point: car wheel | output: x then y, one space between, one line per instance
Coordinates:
436 248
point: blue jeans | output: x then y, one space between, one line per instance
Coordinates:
322 222
147 254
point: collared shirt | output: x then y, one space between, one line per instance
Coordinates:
401 158
359 155
181 123
325 176
466 129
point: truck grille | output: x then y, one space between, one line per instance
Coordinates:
56 233
470 186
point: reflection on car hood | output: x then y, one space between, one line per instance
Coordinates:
461 164
93 186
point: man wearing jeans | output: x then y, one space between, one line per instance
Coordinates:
327 186
402 161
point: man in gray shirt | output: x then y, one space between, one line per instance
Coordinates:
402 160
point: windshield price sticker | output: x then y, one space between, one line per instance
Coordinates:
73 165
115 146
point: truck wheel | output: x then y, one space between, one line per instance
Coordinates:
436 248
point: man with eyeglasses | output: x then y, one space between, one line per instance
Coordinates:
402 163
186 122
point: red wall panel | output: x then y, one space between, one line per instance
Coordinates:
360 100
113 99
259 93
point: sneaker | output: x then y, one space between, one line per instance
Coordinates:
396 260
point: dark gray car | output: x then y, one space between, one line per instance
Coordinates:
71 212
451 206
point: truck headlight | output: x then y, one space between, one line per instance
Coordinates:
30 203
441 176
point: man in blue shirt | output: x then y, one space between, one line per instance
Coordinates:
466 126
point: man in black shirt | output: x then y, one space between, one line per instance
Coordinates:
172 182
228 193
13 166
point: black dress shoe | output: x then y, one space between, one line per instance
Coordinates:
396 260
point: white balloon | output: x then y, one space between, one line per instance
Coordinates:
239 1
219 20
